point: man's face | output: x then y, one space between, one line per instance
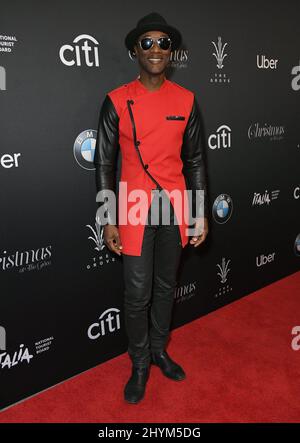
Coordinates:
146 58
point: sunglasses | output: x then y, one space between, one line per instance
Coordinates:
163 42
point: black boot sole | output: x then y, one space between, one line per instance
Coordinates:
133 402
166 375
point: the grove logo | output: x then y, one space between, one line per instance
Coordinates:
2 339
219 54
223 271
84 149
102 256
296 340
295 83
109 321
262 62
265 198
222 208
83 51
221 139
97 237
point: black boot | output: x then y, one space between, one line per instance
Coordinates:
135 388
168 367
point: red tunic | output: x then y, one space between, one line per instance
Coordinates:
159 134
160 147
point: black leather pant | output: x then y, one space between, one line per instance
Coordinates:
150 281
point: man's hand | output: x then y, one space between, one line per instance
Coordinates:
201 227
112 239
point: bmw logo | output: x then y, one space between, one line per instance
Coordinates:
297 245
222 208
84 149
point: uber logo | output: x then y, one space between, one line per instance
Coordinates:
262 62
9 161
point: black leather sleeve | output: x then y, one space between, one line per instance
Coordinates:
107 146
192 153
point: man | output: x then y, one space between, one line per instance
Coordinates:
156 124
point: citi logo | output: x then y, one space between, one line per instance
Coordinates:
296 79
262 62
264 259
265 198
297 193
2 339
221 139
84 50
109 321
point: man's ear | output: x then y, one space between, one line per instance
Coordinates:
134 52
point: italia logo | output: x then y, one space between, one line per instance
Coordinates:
9 360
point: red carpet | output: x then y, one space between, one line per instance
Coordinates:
239 363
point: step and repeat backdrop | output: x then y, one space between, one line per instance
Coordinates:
61 306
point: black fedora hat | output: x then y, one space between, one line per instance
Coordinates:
153 22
